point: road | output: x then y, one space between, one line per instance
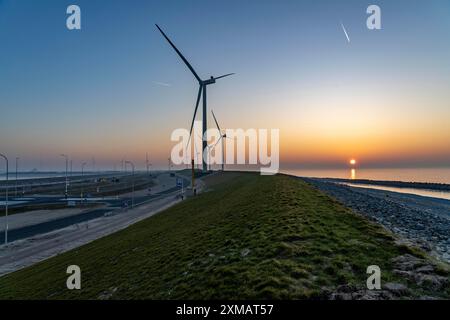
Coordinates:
55 224
71 232
27 252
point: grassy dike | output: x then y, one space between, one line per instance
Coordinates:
250 236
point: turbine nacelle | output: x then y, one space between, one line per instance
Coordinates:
209 81
213 79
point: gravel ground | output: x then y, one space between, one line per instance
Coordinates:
420 220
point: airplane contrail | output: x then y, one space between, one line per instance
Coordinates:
162 84
345 31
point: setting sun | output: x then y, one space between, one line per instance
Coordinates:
352 162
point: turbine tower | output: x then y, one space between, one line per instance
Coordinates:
201 93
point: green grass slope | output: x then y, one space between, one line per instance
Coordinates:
250 236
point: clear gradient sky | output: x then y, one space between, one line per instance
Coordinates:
383 98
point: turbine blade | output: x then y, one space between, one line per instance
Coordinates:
195 112
180 54
225 75
215 144
217 124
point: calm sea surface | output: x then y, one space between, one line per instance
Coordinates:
436 175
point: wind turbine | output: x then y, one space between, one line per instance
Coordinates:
201 93
222 136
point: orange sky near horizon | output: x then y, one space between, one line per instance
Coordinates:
319 136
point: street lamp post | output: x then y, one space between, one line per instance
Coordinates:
6 199
67 168
132 186
17 166
82 174
82 168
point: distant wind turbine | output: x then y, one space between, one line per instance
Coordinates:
201 92
222 136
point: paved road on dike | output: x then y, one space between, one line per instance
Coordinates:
48 226
88 227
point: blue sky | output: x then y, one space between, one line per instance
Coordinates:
95 92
